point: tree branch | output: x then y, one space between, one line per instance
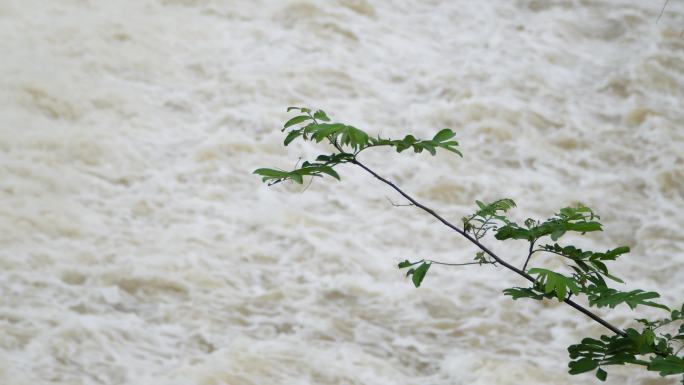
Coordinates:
484 248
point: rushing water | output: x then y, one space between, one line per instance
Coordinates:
137 248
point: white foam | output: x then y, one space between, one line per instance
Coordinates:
137 248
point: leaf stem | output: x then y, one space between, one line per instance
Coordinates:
529 255
482 247
458 264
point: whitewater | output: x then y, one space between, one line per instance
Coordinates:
137 247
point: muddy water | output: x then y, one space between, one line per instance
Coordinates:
137 248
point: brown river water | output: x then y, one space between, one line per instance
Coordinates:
136 247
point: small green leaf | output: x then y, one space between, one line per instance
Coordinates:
404 264
292 136
444 134
321 131
357 138
449 148
584 227
329 170
320 115
521 292
557 234
582 365
269 172
297 178
296 120
667 365
409 140
419 274
601 296
429 147
555 283
601 374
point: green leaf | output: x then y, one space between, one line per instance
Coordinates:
450 148
292 135
584 227
320 115
613 254
407 263
271 172
419 274
521 292
428 146
296 120
357 138
667 365
600 296
409 140
329 170
583 365
321 131
557 234
555 283
601 374
292 108
513 231
443 135
297 178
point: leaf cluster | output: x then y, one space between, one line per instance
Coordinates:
490 216
631 348
323 165
579 219
348 141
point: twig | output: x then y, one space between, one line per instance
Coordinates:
459 264
307 186
398 205
529 256
662 10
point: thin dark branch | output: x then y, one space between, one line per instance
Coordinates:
398 205
529 255
308 185
484 248
460 264
662 11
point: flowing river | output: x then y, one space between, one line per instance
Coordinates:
136 247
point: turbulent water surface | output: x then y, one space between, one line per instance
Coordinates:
137 248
